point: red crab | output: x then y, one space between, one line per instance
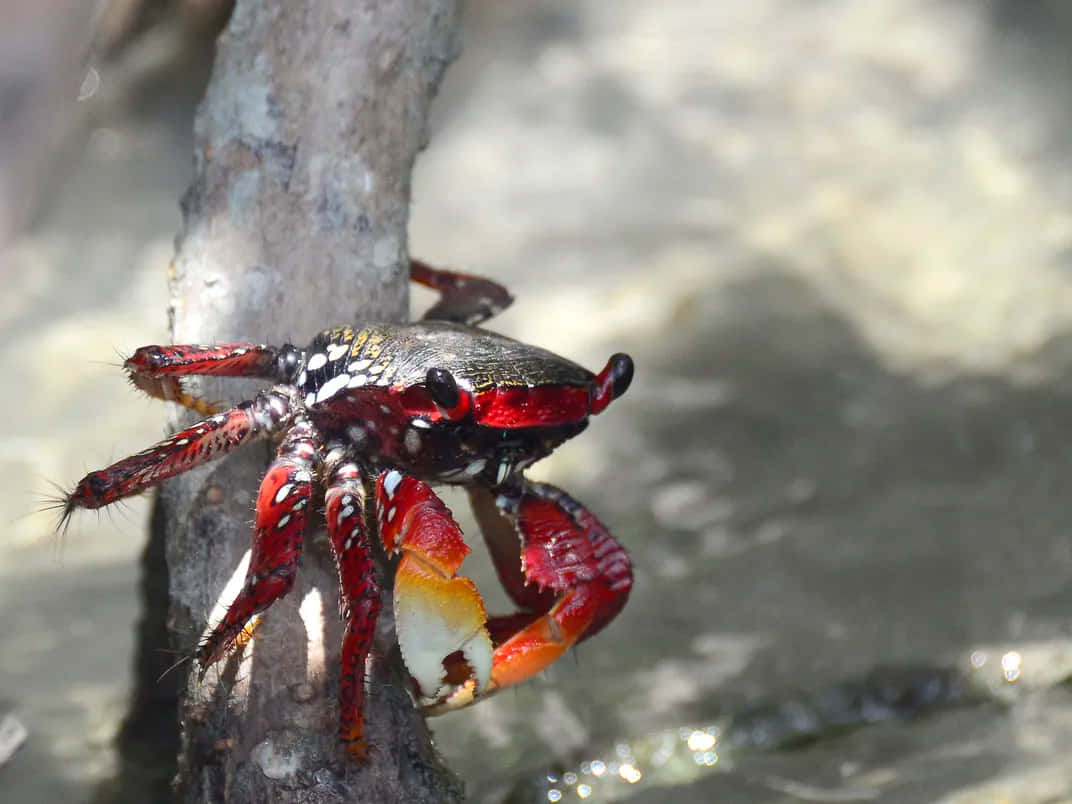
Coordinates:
397 407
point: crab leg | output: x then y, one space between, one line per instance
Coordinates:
205 441
438 614
277 539
158 370
466 299
565 551
359 593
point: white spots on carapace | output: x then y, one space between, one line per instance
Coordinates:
357 434
319 360
283 522
332 387
412 441
386 410
346 513
347 499
423 424
358 380
391 513
310 398
300 504
303 377
182 442
337 351
303 476
391 481
476 467
359 365
378 368
283 493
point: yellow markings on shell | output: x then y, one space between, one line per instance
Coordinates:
374 345
358 342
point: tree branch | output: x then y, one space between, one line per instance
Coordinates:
295 221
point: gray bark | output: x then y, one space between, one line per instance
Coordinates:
295 221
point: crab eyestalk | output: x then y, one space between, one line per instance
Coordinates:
611 382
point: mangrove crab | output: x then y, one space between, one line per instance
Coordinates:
389 409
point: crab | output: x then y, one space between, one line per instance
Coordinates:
384 412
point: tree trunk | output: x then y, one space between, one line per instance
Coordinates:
295 221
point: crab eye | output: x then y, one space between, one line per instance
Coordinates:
287 363
621 367
443 388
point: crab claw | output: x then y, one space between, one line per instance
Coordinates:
438 614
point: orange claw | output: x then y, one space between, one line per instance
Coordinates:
437 613
574 578
536 647
565 551
435 616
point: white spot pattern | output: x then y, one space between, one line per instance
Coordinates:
338 350
391 481
332 387
317 361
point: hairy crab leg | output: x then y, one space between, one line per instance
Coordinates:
437 612
277 539
158 370
465 299
565 549
359 591
205 441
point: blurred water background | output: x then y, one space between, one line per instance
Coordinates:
835 236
